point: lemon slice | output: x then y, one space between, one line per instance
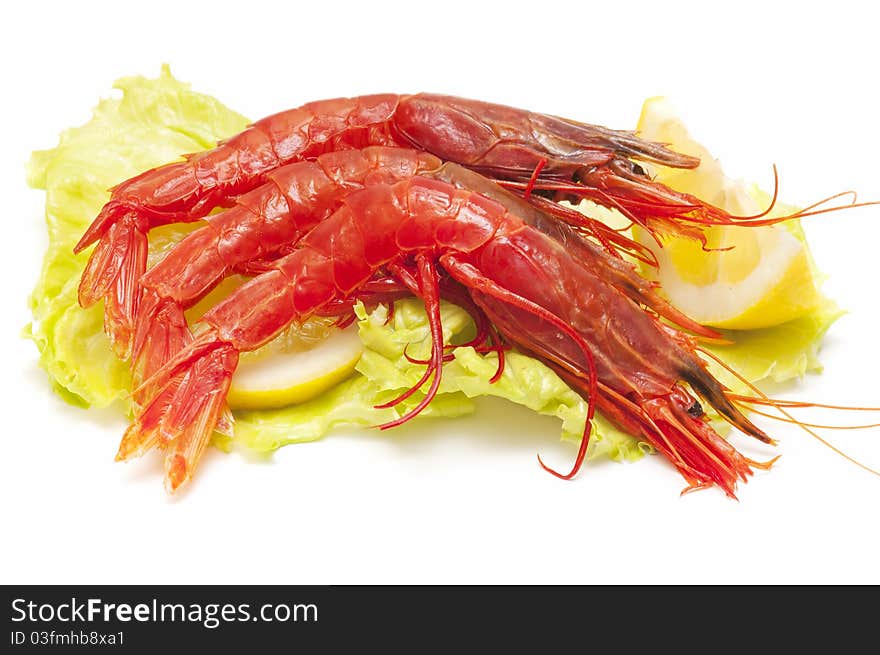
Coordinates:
280 374
300 364
753 277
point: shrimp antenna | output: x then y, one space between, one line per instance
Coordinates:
775 402
809 210
806 427
812 211
772 200
863 426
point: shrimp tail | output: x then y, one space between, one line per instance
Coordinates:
186 407
110 213
161 331
112 273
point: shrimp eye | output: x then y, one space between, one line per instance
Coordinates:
627 169
696 410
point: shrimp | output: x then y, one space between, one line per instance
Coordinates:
423 230
271 218
263 222
569 158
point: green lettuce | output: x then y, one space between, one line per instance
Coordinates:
776 354
155 120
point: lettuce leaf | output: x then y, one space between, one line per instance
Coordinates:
776 354
153 122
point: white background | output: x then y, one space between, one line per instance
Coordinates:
455 501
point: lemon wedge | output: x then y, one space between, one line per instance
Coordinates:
753 277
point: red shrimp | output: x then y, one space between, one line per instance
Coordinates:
502 142
263 222
541 297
